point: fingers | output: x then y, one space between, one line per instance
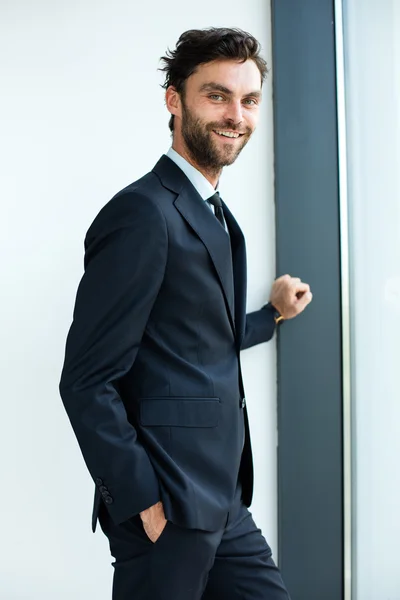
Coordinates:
302 292
304 300
296 283
300 286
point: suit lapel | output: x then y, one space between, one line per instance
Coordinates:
215 239
204 223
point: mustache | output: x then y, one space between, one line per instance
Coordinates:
230 126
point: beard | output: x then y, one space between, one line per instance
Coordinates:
203 149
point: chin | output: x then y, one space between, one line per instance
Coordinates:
229 158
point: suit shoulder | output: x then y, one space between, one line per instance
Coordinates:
139 201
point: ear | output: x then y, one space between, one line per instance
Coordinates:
173 101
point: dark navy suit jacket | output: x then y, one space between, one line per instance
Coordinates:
151 379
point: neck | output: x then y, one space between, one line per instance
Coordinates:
212 175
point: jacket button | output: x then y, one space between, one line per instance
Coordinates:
99 481
243 403
108 500
103 488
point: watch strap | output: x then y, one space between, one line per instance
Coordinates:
277 315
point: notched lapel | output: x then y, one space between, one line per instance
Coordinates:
228 260
200 218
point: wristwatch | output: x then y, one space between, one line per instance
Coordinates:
277 315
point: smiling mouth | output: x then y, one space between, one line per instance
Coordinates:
233 135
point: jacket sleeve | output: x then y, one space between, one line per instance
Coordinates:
125 258
260 327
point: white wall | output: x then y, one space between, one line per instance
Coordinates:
373 119
82 115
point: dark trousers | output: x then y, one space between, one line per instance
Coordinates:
234 563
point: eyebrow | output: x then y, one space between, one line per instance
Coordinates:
214 87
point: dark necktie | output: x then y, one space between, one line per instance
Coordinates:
215 200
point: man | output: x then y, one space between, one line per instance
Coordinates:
152 381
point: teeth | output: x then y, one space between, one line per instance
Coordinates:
228 134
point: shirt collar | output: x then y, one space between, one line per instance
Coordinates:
202 185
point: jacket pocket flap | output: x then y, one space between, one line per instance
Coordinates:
180 412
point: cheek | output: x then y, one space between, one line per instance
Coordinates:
209 112
252 121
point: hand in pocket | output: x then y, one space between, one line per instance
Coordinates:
154 521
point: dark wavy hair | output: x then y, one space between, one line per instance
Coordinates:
199 46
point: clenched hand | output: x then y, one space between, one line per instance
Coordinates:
290 296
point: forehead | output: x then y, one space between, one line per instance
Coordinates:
240 77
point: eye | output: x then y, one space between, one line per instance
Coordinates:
250 101
216 97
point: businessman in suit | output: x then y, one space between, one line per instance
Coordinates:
152 382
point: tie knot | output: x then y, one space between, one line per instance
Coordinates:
215 200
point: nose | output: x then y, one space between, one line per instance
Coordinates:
234 112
